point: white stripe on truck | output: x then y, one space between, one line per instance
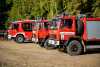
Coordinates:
66 33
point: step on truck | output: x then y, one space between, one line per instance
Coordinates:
21 31
74 35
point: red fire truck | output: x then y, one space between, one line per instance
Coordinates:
74 35
40 31
21 30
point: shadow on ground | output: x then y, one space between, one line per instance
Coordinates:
93 51
89 51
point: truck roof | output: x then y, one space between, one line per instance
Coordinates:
68 17
24 21
43 21
16 21
91 19
30 20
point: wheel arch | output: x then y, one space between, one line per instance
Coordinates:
20 35
78 39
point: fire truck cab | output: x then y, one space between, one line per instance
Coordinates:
62 26
40 31
21 31
74 35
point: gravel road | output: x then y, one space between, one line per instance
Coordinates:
31 55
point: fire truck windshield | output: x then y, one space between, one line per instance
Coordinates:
55 24
66 23
27 26
36 26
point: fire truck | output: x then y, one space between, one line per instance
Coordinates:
74 35
40 31
21 31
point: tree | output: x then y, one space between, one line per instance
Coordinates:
46 8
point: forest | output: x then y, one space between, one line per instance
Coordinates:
10 10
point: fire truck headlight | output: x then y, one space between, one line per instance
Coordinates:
57 43
9 36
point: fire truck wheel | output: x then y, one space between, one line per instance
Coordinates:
42 43
48 46
19 39
74 48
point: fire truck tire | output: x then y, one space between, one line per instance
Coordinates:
48 46
19 38
74 48
42 43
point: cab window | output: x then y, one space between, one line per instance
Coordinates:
15 26
67 23
27 26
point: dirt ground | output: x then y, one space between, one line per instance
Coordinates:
31 55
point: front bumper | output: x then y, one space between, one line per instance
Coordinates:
9 37
54 42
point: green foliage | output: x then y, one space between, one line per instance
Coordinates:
96 8
48 8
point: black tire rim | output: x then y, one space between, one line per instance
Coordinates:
74 48
47 45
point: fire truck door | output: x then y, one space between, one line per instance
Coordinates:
67 29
